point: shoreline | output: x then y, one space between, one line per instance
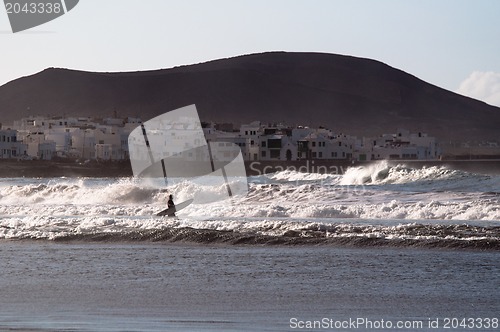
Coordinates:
117 169
196 238
47 169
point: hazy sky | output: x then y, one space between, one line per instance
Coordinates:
450 43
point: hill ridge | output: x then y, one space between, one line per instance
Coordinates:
359 96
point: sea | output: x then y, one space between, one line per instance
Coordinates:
379 247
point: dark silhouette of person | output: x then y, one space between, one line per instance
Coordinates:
171 205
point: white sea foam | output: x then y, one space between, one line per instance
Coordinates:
280 201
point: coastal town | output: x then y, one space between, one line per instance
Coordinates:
106 139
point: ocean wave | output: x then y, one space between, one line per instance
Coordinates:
387 175
203 236
313 196
438 178
248 232
381 204
75 191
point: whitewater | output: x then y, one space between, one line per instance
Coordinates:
378 204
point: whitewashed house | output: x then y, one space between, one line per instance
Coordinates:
402 145
10 147
83 143
62 138
252 132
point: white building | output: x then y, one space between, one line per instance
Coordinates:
276 143
83 144
84 138
46 150
402 145
38 147
62 138
252 132
10 147
104 152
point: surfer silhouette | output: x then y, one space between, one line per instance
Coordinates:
171 205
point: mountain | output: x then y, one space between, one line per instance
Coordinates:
347 94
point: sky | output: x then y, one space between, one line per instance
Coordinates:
453 44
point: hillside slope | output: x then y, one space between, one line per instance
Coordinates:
347 94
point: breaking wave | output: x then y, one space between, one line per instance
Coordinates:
253 231
378 204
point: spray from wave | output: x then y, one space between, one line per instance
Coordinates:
429 204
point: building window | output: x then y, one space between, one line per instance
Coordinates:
314 154
320 154
263 144
275 154
263 154
313 144
274 143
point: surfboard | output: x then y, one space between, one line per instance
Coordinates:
174 209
